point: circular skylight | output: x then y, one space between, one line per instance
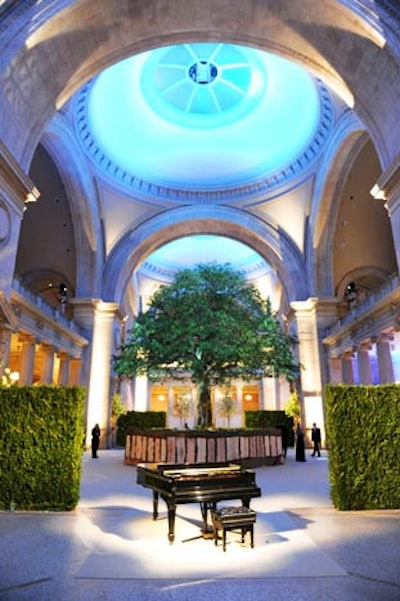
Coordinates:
203 119
203 85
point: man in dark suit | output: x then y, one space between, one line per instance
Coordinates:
316 438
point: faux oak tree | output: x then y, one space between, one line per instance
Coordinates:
209 326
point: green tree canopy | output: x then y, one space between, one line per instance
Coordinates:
209 326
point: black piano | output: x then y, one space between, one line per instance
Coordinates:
202 483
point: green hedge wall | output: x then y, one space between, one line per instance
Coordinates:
41 442
139 419
270 419
363 434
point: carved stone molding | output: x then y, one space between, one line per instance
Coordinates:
14 181
7 315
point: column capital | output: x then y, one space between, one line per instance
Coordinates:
324 309
387 186
47 346
382 337
24 337
85 310
365 346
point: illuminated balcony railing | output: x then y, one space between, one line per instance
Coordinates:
41 304
367 305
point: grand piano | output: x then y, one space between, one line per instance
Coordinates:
202 483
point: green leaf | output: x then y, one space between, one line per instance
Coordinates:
208 326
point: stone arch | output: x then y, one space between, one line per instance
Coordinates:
66 154
269 241
349 147
97 33
366 280
346 145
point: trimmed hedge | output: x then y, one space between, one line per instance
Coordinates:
363 434
139 419
271 419
41 441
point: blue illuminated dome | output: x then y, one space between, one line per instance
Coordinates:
203 85
203 119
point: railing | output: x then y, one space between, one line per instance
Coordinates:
41 304
363 306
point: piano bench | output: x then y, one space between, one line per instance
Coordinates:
233 518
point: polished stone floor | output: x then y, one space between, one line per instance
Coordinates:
110 548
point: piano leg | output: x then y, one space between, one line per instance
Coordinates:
171 521
207 531
155 504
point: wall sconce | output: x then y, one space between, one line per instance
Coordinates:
248 397
161 397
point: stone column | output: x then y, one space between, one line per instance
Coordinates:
47 366
313 316
27 360
385 364
99 410
5 342
170 410
142 393
347 367
239 403
75 369
63 371
127 394
269 394
97 316
335 370
8 325
364 363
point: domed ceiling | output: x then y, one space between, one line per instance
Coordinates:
203 121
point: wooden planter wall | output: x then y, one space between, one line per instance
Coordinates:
251 448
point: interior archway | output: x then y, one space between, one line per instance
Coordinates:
186 252
273 245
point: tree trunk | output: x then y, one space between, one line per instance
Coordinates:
204 417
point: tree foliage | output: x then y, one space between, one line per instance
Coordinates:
209 326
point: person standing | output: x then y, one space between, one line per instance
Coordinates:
95 440
285 436
316 438
300 449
